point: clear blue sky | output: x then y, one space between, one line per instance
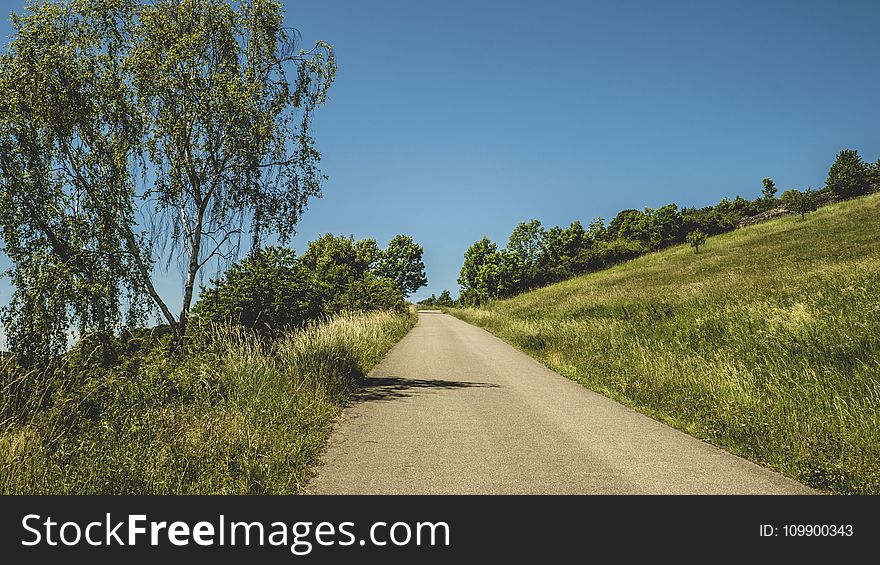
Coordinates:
458 119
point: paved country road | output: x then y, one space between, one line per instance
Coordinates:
454 410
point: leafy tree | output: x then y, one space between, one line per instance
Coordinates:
345 274
848 175
498 276
576 245
799 202
527 243
695 239
226 131
402 262
181 110
550 263
368 253
769 191
662 226
712 220
742 207
271 290
430 301
627 224
597 230
334 266
265 291
469 276
445 299
66 197
566 252
371 293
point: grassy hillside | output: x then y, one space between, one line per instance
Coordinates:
238 416
767 343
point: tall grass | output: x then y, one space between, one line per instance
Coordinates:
767 343
236 416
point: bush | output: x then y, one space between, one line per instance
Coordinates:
695 239
848 176
271 290
266 291
798 202
609 253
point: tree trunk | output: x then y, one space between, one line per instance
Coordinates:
192 270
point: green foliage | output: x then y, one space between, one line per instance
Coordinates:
607 253
368 294
475 258
266 291
767 346
333 265
565 251
695 239
271 290
769 191
402 263
536 256
628 224
663 226
527 243
712 220
488 273
849 175
65 188
233 416
340 273
500 275
221 116
445 299
799 202
190 101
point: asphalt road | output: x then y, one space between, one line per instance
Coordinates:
455 410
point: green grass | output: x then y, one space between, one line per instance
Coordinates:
767 343
237 417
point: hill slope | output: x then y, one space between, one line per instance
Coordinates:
767 343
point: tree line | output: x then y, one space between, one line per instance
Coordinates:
535 256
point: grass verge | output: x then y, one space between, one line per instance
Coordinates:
766 343
237 416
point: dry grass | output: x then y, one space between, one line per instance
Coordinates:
238 417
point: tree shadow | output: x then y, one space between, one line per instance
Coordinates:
373 389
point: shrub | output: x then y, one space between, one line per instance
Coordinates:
608 253
445 299
695 239
266 291
271 290
798 202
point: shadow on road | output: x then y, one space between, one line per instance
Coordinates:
390 388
